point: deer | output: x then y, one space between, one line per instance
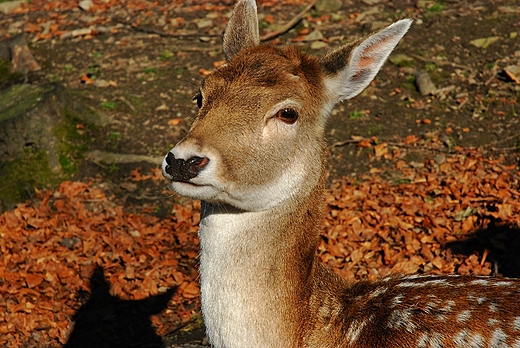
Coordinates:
255 157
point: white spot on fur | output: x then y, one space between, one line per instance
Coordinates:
435 341
492 322
434 282
463 316
479 282
421 343
516 324
401 319
355 330
396 301
466 339
449 305
377 292
498 339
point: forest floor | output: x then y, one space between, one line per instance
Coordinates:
419 182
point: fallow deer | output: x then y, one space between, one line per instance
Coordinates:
255 156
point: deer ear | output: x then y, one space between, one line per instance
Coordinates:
350 68
242 29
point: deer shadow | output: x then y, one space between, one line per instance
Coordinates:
502 241
109 321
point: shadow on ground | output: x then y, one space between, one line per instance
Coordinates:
502 242
109 321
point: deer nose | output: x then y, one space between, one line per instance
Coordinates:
184 170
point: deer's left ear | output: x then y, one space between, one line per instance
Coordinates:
242 29
350 68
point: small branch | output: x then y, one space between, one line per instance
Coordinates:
346 142
99 157
289 25
440 62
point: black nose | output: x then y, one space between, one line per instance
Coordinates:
181 170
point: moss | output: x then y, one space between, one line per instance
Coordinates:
72 134
6 77
19 177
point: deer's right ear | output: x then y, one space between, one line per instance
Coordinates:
350 68
242 29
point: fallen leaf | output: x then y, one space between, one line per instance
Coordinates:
484 42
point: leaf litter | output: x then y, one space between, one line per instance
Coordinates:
396 220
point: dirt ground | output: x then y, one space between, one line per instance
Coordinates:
143 71
144 77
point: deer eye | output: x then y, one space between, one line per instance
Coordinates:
198 98
287 115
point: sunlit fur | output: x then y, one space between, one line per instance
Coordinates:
261 282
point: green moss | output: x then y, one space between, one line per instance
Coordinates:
375 129
6 77
19 177
73 142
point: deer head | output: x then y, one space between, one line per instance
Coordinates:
258 138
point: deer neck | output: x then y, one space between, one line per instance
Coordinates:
256 272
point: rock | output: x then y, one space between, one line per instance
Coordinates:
317 45
314 36
81 32
101 83
424 83
69 242
19 53
204 23
36 137
86 5
328 5
375 25
401 59
29 115
513 72
424 3
10 6
366 16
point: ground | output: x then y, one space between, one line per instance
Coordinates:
140 64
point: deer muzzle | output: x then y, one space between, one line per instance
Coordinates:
184 170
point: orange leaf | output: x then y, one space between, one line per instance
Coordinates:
174 121
190 290
86 80
410 139
33 280
32 28
364 143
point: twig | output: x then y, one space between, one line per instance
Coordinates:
345 142
440 62
290 24
505 149
180 327
165 34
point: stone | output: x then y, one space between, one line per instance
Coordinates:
328 5
424 83
10 6
86 5
204 23
316 35
317 45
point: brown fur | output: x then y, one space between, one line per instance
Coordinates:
262 284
